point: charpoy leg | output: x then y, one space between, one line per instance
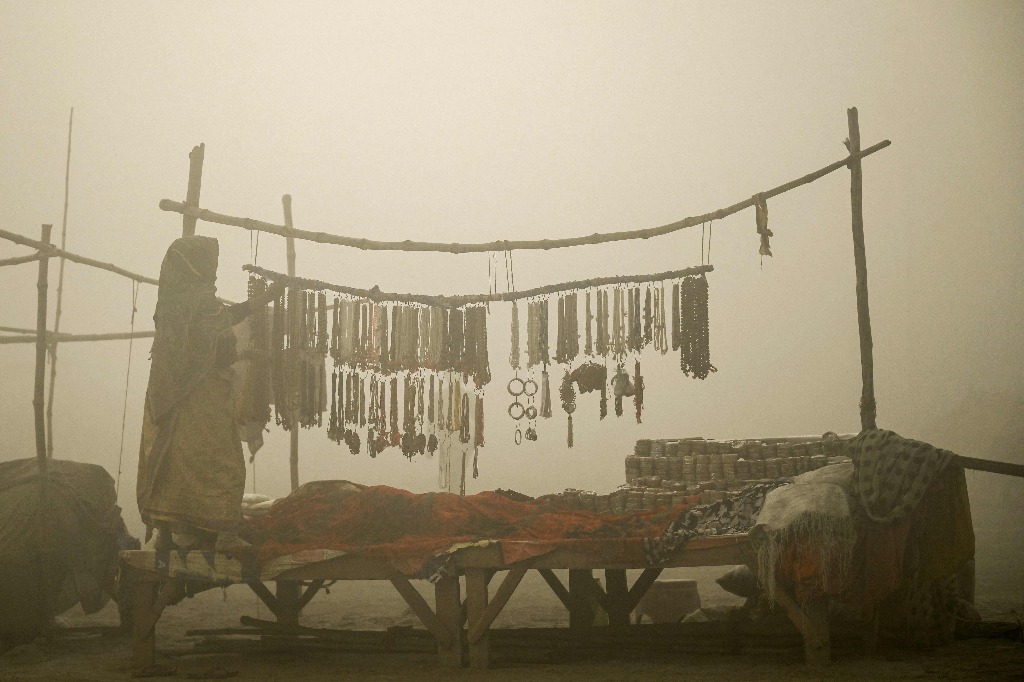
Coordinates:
448 603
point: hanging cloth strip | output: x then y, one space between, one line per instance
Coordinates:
761 219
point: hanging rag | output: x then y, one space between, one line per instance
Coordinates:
761 217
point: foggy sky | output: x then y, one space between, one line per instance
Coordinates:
466 121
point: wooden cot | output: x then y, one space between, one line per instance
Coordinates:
459 625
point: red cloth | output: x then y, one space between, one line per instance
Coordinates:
410 529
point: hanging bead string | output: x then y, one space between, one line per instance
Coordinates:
376 339
695 345
513 356
588 347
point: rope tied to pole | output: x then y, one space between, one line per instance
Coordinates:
127 377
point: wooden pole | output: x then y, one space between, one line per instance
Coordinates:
867 398
18 260
990 465
293 458
195 183
60 295
37 400
30 337
288 590
505 244
376 294
52 252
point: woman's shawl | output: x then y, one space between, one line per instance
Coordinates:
190 322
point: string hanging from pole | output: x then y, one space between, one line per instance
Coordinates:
127 377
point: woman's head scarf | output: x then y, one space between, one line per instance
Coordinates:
189 320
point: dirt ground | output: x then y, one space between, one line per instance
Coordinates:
77 653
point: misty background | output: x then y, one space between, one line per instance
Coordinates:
466 121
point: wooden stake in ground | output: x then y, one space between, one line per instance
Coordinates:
867 365
37 400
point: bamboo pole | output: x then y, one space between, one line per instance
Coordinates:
506 245
377 295
60 295
867 365
71 338
37 400
293 432
52 252
195 183
990 465
18 260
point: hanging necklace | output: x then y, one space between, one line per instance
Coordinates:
513 356
588 348
466 418
675 316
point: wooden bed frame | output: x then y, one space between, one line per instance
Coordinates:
456 623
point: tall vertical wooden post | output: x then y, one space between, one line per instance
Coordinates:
288 591
41 334
195 183
293 459
60 296
867 365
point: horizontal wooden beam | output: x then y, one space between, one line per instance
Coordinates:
376 294
990 465
74 257
64 338
505 244
17 260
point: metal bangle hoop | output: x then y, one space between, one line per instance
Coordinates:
530 412
522 387
520 413
526 387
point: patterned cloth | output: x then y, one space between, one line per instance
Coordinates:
191 467
730 516
891 474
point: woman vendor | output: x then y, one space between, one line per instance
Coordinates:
191 467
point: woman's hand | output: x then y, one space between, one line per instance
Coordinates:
273 292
